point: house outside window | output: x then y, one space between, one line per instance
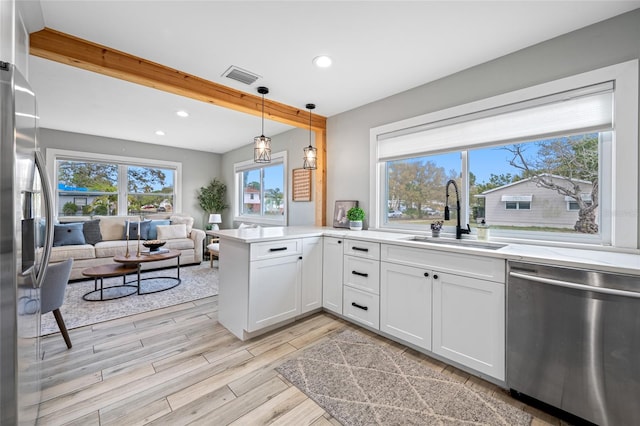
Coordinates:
260 191
112 185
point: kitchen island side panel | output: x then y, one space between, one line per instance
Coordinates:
233 286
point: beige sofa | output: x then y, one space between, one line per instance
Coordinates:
112 230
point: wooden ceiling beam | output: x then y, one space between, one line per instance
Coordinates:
64 48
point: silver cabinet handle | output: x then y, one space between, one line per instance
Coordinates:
576 286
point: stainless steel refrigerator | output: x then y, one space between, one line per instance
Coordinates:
25 241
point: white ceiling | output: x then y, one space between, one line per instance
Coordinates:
379 48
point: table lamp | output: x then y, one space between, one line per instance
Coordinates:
214 220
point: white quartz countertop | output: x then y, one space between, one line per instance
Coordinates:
602 260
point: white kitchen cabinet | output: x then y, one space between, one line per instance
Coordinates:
469 322
274 291
361 279
332 252
270 290
311 285
405 303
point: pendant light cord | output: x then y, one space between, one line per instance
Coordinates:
262 114
309 126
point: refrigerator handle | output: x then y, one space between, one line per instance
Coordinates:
47 198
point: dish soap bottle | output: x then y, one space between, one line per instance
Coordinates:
483 231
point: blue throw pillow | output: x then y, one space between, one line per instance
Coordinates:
68 234
133 230
153 230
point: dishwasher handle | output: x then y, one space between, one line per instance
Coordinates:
575 286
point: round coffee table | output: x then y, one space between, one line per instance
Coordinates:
146 257
113 292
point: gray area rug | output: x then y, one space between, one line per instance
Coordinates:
198 281
359 382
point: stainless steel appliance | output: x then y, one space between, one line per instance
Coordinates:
25 241
573 340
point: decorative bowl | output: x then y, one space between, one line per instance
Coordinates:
153 245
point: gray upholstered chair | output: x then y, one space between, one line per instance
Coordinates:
52 293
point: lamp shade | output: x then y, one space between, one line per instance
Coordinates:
215 218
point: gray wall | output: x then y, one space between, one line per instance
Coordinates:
606 43
198 167
293 142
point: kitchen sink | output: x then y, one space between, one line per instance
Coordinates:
457 243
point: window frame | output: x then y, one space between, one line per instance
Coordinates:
518 206
619 220
53 155
243 166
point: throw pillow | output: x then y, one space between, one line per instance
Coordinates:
187 220
112 227
153 232
133 229
171 232
91 231
68 234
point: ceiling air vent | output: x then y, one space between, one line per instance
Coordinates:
238 74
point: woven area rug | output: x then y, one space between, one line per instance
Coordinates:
359 382
198 281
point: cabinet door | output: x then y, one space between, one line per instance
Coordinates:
332 253
311 292
274 291
468 322
405 303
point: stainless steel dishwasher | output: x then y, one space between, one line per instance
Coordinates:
573 340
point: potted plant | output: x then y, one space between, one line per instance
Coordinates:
436 227
212 198
355 216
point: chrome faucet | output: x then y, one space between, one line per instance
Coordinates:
447 216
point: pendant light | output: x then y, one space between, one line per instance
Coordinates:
262 144
310 153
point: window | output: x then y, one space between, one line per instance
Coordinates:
574 205
112 185
499 181
552 143
518 205
150 190
261 191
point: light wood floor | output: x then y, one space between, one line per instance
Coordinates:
178 365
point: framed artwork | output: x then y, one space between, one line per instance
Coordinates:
340 212
301 185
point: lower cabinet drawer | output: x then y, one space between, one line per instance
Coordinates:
363 274
362 307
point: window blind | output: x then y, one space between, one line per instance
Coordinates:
577 111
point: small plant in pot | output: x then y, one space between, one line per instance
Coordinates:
436 227
355 216
212 198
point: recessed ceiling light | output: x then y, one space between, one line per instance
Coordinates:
159 133
322 61
182 113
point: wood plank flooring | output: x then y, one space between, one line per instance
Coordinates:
178 366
